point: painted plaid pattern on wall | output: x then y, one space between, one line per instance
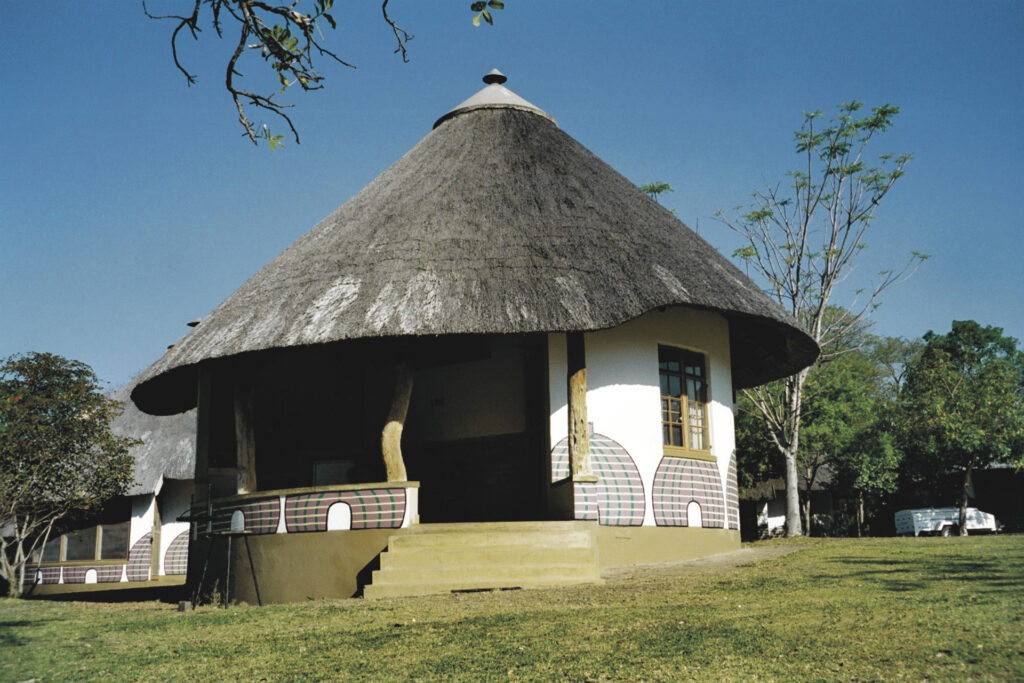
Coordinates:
50 575
681 480
176 557
108 573
585 496
261 515
382 508
619 494
140 557
732 496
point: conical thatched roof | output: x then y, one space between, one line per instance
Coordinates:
496 222
168 448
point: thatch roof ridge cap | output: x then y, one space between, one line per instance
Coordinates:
494 95
458 111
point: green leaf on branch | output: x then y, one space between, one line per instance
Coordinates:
275 141
745 253
481 9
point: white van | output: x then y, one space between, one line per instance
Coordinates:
943 521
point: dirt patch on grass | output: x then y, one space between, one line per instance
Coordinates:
711 565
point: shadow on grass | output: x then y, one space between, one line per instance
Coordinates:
917 572
165 594
8 634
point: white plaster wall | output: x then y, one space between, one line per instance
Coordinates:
773 515
175 499
143 507
623 394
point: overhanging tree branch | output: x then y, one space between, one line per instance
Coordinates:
287 35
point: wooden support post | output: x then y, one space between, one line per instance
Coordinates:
158 524
391 438
204 416
245 437
579 439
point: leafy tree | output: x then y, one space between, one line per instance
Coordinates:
868 468
288 36
964 405
803 240
654 189
846 429
756 455
58 456
840 402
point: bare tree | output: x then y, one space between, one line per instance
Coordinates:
803 238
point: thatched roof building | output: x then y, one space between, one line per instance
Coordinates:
496 222
574 350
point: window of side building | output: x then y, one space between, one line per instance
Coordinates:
684 399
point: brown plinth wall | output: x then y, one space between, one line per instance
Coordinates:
299 567
337 564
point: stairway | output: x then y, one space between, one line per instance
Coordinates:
443 558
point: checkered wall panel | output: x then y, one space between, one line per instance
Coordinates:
382 508
732 496
619 493
679 481
108 573
261 515
585 496
176 557
49 575
140 558
75 574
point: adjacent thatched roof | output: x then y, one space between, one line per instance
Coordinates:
168 447
770 489
496 222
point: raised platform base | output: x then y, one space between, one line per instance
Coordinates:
440 558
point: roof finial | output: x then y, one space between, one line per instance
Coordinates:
493 96
495 76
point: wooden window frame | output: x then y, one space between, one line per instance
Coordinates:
96 551
685 358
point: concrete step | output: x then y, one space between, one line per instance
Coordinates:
489 539
514 527
428 557
395 590
483 573
440 558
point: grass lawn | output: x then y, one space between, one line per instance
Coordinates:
933 608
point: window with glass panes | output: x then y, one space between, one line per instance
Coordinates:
684 398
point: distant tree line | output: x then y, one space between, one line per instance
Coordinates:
890 422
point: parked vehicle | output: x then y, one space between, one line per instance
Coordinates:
943 522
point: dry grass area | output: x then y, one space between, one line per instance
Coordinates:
921 609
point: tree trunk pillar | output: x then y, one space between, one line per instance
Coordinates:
245 438
860 515
391 437
964 499
794 389
579 437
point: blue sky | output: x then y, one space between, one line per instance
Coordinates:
129 203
